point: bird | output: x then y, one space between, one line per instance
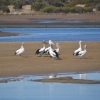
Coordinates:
79 49
52 53
21 50
58 48
47 50
41 50
83 52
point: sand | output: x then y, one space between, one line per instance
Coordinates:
30 64
69 17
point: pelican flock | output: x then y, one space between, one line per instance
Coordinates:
21 50
53 53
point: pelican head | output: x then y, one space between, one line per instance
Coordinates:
57 45
50 42
80 42
44 42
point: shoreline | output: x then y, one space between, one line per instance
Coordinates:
51 25
31 21
31 64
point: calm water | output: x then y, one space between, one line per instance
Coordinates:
55 34
27 90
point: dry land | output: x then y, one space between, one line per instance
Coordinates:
30 63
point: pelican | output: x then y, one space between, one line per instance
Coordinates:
79 49
42 50
21 50
58 47
52 53
47 50
83 52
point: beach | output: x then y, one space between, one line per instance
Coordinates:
31 64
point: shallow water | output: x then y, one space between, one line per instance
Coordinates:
54 34
27 90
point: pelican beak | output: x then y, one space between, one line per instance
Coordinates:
52 43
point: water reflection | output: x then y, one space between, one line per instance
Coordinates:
23 89
82 76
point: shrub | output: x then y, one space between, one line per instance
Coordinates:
66 9
58 10
18 5
38 6
49 9
72 9
78 9
87 9
4 9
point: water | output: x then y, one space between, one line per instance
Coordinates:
27 90
55 34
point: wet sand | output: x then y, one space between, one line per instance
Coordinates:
7 34
30 63
67 80
69 17
30 21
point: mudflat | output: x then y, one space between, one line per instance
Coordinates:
29 63
30 18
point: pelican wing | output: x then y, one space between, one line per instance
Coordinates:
42 50
19 51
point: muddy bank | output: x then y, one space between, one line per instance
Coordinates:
67 80
20 21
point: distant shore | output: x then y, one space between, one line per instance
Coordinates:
68 21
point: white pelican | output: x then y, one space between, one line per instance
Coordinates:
21 50
83 52
47 50
58 47
78 50
42 50
52 53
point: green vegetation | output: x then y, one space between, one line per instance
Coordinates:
52 6
38 6
18 5
4 9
